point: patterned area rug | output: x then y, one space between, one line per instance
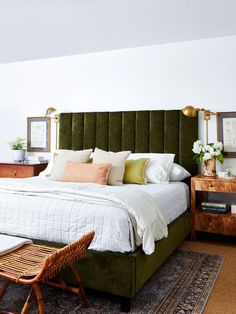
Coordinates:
181 286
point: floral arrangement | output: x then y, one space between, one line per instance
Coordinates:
206 152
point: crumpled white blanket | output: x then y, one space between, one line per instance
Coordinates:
148 222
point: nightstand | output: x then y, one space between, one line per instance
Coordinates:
21 169
221 223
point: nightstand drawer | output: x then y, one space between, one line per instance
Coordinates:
13 171
219 223
215 186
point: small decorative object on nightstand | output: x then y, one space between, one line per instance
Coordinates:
21 169
229 172
215 221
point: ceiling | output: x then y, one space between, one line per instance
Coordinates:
34 29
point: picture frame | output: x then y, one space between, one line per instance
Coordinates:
38 134
226 132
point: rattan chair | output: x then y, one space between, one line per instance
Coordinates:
33 264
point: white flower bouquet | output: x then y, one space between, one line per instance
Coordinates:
206 152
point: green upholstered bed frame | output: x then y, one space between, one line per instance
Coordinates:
139 131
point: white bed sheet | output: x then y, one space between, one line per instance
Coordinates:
172 199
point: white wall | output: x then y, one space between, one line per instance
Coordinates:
168 76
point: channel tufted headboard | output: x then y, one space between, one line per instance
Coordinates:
155 131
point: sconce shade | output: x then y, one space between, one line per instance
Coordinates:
49 111
190 111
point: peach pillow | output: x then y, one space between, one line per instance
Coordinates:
86 173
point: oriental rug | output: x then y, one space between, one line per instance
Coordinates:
182 285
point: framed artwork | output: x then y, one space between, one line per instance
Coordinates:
226 132
38 134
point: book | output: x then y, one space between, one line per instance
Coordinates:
215 204
214 209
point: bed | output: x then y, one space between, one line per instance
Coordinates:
123 274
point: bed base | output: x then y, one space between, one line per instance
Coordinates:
124 274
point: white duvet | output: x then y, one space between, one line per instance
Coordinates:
122 217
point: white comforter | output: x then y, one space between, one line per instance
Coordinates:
61 212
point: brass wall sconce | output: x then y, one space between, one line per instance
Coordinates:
192 112
51 113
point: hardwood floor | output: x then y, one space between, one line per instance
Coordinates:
223 296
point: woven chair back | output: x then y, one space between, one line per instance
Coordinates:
55 262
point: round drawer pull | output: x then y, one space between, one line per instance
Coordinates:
210 185
209 224
14 173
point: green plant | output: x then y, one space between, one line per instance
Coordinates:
18 144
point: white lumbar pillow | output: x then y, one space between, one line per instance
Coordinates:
178 173
64 155
159 166
117 160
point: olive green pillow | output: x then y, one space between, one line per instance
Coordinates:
135 171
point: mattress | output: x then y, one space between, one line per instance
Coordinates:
64 218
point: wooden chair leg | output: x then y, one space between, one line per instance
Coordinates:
81 288
27 302
4 288
39 298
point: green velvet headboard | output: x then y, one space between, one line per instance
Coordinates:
155 131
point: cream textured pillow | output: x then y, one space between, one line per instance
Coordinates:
64 155
159 166
117 160
86 173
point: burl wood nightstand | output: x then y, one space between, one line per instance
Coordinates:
221 223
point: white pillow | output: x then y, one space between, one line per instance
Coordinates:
117 160
48 170
159 166
178 173
64 155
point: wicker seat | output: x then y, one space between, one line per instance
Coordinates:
32 264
